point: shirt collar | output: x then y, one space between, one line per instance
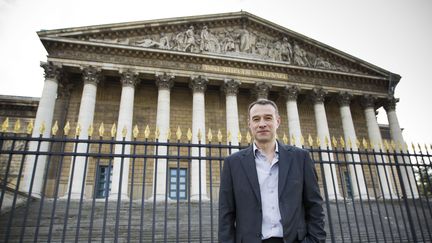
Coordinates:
256 149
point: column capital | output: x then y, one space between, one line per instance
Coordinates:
344 98
129 78
164 80
51 71
390 103
291 92
318 95
368 101
198 83
231 86
91 75
261 90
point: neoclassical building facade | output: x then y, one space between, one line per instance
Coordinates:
201 72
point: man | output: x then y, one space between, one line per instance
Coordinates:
269 191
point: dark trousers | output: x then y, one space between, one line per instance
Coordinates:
273 240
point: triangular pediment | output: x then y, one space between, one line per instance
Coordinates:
236 35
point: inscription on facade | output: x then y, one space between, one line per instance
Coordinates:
244 72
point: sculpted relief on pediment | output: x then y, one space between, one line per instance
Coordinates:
236 42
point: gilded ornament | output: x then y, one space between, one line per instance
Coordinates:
77 130
17 126
178 133
285 139
189 134
248 137
310 140
199 135
55 128
147 132
66 128
229 138
30 127
135 131
5 125
365 143
342 142
239 137
157 133
42 128
209 135
334 142
219 136
113 130
90 130
101 129
124 131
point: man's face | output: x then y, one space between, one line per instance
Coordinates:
263 123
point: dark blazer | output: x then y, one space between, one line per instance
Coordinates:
300 202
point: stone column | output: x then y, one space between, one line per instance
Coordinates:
356 172
164 82
91 77
129 80
261 90
198 86
44 116
408 177
230 88
384 174
291 94
318 96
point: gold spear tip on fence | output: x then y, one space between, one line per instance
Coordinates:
334 142
178 133
147 132
386 144
55 128
42 127
372 145
302 140
168 135
189 134
199 134
135 131
77 130
326 141
30 127
209 135
425 147
113 130
393 144
365 143
90 130
17 126
318 141
239 137
248 138
101 129
341 141
124 131
219 136
66 128
285 139
157 133
310 140
350 144
293 139
229 137
5 125
358 143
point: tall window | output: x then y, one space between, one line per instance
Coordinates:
103 184
178 183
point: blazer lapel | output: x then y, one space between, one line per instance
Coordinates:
248 164
285 162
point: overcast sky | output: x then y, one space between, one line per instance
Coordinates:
393 34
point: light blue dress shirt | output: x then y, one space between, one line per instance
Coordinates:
268 174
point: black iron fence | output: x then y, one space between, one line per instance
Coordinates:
370 194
